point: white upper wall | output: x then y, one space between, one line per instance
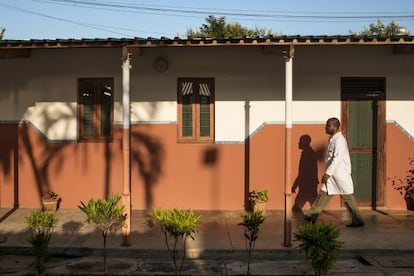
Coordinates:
43 88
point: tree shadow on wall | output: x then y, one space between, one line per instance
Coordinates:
45 156
41 151
147 154
307 180
9 158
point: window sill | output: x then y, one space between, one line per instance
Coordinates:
96 140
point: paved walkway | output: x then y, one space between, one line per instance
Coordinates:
384 246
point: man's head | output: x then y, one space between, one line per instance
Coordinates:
304 141
332 126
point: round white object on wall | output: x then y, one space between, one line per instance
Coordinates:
161 65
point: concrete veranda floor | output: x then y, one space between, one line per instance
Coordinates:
384 246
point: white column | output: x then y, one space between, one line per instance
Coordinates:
126 144
288 147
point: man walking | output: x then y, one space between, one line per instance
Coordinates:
337 179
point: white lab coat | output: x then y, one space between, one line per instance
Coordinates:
338 166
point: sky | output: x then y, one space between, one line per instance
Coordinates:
64 19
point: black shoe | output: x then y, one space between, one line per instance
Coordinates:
310 219
354 225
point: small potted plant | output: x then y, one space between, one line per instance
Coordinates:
251 222
108 217
41 224
405 185
50 201
321 244
258 200
179 225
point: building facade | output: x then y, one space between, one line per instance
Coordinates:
207 119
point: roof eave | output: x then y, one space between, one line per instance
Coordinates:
179 42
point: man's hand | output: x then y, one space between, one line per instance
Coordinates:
325 178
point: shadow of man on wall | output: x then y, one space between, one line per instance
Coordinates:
307 180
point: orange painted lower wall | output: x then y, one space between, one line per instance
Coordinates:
169 174
399 148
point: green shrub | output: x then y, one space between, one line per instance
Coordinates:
41 224
259 196
106 215
251 222
320 244
178 224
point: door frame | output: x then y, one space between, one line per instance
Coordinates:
379 190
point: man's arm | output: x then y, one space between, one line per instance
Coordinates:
325 178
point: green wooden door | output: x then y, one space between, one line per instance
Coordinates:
362 140
363 122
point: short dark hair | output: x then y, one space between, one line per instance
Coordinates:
306 139
335 121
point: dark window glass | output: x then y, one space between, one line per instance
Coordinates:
95 109
196 110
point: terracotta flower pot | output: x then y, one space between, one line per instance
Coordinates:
50 205
258 206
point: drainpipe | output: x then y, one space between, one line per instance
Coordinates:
126 144
288 143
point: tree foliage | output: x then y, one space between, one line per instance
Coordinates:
217 27
251 223
381 30
2 30
321 243
41 224
106 215
178 224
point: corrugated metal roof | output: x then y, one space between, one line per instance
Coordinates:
163 41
